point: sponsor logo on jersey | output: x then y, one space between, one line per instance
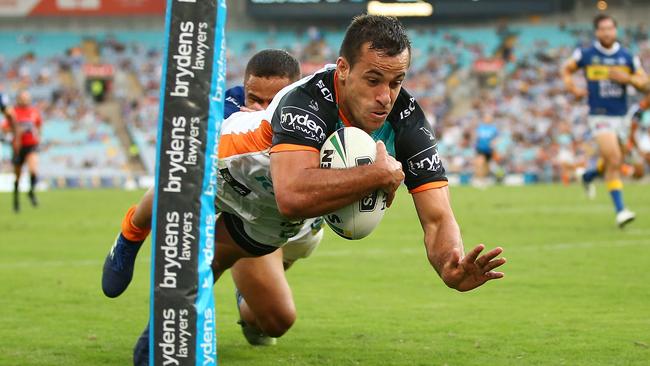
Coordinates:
428 133
304 122
408 111
234 183
426 160
313 105
327 94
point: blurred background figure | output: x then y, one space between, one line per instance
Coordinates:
28 123
486 134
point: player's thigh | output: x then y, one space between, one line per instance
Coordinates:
226 251
609 146
263 284
32 161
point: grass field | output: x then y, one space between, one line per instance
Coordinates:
576 292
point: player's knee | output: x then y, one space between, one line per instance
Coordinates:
614 161
277 322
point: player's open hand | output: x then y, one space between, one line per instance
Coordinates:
392 171
472 271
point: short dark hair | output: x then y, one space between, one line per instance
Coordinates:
273 63
385 34
600 17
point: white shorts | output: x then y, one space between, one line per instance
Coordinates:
617 124
302 245
566 156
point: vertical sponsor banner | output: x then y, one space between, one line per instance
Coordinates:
182 310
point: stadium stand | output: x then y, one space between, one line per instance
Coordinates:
538 121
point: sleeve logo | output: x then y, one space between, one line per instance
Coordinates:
304 122
426 160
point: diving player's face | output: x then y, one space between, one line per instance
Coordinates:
370 87
606 32
259 91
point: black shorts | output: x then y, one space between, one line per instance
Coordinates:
19 159
235 228
487 154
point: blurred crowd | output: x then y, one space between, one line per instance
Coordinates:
542 130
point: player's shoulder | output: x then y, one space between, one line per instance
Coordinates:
306 110
316 89
406 112
236 95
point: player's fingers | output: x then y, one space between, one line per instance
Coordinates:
381 148
494 275
489 256
390 196
474 253
494 264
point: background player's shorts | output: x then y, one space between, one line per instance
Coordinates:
566 156
303 244
487 153
617 124
19 159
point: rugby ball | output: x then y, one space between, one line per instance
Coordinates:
349 147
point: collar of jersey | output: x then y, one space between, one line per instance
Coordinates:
609 52
342 117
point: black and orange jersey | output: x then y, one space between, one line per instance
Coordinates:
309 113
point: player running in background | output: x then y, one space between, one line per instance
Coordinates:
486 134
27 131
609 69
267 72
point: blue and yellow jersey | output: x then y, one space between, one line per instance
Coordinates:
606 97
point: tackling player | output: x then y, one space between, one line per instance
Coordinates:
608 68
274 155
27 129
267 72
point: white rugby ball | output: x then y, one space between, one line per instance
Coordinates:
349 147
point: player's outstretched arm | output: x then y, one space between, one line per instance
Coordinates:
445 247
303 190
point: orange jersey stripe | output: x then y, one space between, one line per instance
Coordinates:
427 186
345 121
255 140
292 147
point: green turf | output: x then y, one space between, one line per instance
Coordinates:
576 292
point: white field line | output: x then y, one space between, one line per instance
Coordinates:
346 252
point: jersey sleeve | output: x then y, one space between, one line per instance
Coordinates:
416 149
577 56
636 64
297 125
233 101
